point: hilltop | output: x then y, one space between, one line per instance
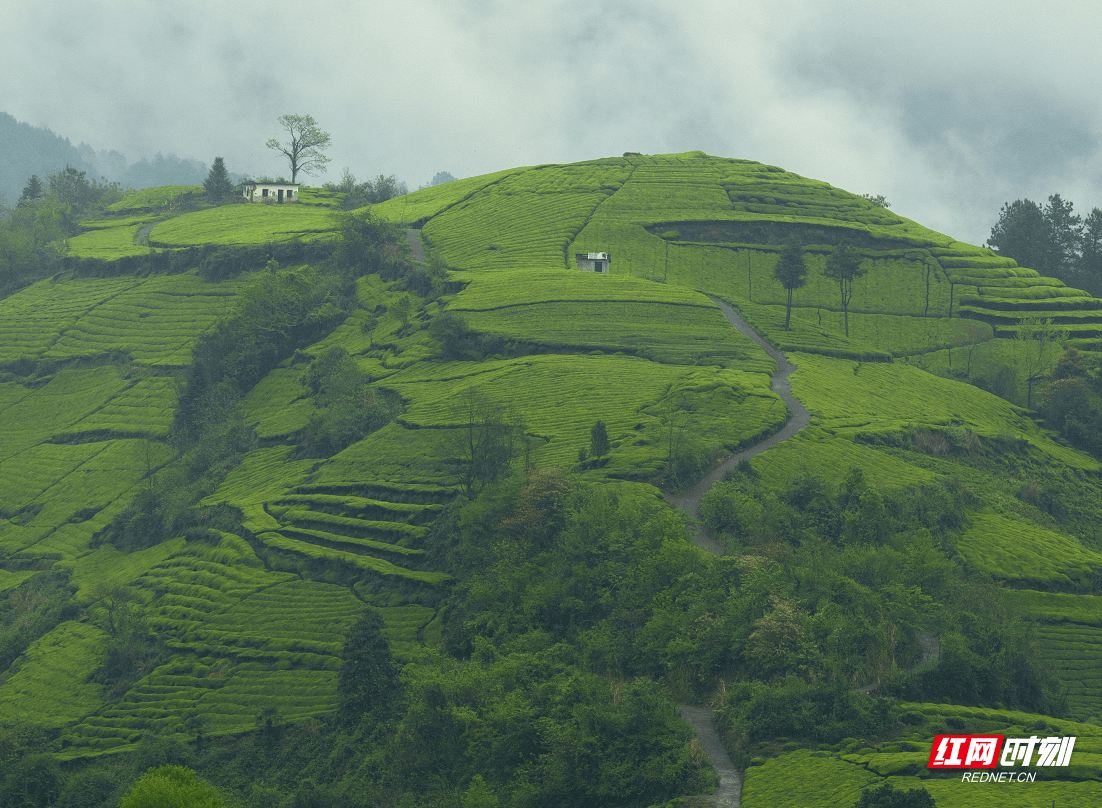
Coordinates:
228 430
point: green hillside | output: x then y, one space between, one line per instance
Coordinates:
229 431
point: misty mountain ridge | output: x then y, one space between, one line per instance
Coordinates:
38 150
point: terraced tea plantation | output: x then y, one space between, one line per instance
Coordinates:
253 615
840 772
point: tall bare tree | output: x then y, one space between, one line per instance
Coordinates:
1039 347
306 150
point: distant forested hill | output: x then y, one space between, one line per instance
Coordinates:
32 150
37 150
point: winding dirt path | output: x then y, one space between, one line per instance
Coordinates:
729 792
689 501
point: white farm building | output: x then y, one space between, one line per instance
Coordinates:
593 262
271 193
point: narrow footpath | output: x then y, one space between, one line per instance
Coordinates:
729 792
689 501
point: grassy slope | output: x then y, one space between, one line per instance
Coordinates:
836 775
620 347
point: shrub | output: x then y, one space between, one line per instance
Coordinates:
172 787
754 712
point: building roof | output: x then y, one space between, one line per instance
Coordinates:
285 184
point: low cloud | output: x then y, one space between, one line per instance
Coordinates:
950 109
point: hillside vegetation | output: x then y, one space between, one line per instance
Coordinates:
232 432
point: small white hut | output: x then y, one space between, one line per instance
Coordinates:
593 262
271 193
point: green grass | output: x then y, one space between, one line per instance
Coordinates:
565 309
371 564
853 399
108 243
264 475
352 526
501 290
153 321
10 580
158 198
119 221
145 409
228 696
1075 654
245 224
403 628
32 319
392 456
1021 552
295 616
1057 607
559 398
424 204
49 686
804 779
279 405
817 453
200 580
323 197
33 415
836 774
73 491
104 568
346 505
494 230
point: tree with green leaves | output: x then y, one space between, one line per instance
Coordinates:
367 681
306 148
1063 234
791 271
878 200
1088 269
1043 238
845 267
217 184
598 440
172 787
1021 234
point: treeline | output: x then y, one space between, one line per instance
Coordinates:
1053 240
33 231
358 194
1071 401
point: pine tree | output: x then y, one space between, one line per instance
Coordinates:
32 192
217 183
1022 234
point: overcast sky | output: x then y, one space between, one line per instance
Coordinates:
950 109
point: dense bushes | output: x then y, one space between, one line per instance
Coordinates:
753 712
347 409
